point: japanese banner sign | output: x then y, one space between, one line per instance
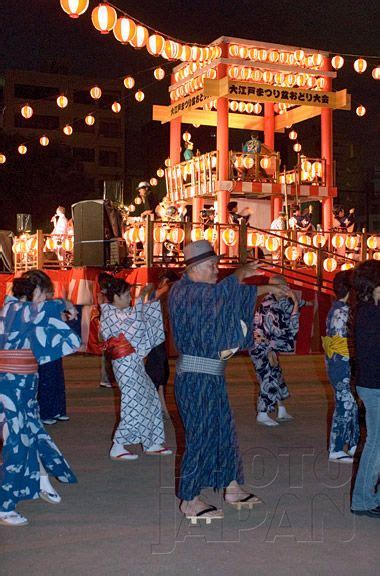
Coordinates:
195 100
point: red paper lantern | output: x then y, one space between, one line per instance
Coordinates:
124 29
104 17
74 8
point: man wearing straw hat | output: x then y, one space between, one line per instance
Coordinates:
210 322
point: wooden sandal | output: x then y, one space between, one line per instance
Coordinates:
248 502
205 515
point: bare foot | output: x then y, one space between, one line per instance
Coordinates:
196 506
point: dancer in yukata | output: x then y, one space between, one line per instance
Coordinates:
345 431
31 333
129 333
275 329
210 322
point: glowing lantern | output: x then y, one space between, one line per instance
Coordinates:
360 65
230 237
160 234
159 73
104 17
299 55
27 111
233 106
317 60
300 80
376 256
257 108
241 107
233 50
249 107
3 158
153 182
116 107
129 82
316 169
337 62
131 208
68 130
239 162
124 29
132 236
160 172
137 200
22 149
139 95
257 75
195 53
243 52
265 162
304 239
310 258
68 244
268 77
291 253
253 53
262 54
320 82
90 120
372 242
319 240
352 242
155 44
186 136
272 243
196 234
31 244
167 162
172 50
210 235
142 234
330 264
297 147
248 162
50 244
293 135
176 235
337 241
140 37
273 56
62 101
44 141
253 239
185 54
290 80
376 73
233 72
347 266
74 8
95 92
361 110
279 78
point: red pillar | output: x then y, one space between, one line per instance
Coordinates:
276 201
222 143
175 141
327 151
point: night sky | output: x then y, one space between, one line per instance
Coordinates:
37 34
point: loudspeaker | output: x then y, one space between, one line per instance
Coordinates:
91 230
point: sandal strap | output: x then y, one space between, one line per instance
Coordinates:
206 510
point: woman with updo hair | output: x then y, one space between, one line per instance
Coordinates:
32 332
129 333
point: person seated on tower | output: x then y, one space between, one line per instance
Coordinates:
145 203
301 221
253 145
342 221
188 152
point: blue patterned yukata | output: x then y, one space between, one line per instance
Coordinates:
275 330
206 320
39 328
345 422
140 410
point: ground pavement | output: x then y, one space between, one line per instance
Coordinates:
122 517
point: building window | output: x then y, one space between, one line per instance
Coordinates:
109 158
37 121
84 154
36 92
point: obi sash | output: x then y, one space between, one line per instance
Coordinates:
186 363
18 362
335 345
118 347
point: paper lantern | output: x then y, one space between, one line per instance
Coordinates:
44 141
124 29
330 264
233 105
316 169
317 60
3 158
272 243
360 110
131 208
248 162
253 239
257 108
297 147
68 130
74 8
31 244
290 80
304 239
50 244
262 55
129 82
160 173
233 50
176 235
210 235
273 56
196 234
172 50
376 256
139 95
142 233
116 107
186 136
239 162
310 258
27 111
243 52
291 253
104 17
249 107
22 149
372 242
347 266
337 62
319 240
352 242
268 77
95 92
140 37
376 73
299 55
185 54
155 44
293 135
137 200
257 76
90 120
360 65
19 246
159 73
229 237
153 182
338 241
133 235
159 234
167 162
241 107
68 244
62 101
265 162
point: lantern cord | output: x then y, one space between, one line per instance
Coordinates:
357 56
